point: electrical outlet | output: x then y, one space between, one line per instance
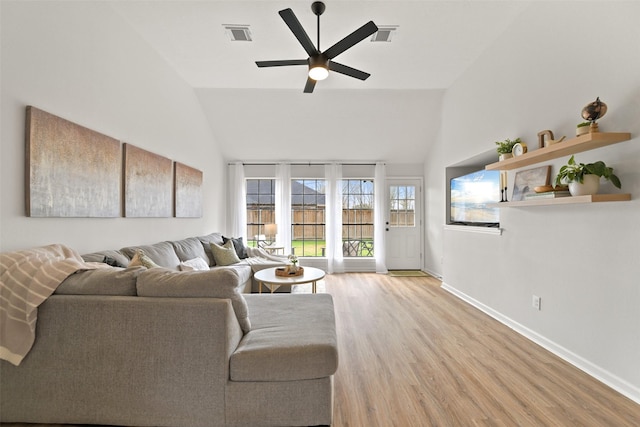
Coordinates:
536 302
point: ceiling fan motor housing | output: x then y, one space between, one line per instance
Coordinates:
318 61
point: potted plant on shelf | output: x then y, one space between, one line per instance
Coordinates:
505 147
584 179
582 128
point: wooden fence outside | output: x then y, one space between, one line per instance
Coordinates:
309 223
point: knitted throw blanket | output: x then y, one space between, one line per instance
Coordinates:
27 279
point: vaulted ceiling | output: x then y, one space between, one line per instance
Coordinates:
262 114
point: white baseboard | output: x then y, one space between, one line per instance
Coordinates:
602 375
432 273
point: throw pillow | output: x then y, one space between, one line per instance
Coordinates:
225 254
194 265
217 283
118 256
238 244
141 260
112 262
206 244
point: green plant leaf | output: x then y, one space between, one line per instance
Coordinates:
615 181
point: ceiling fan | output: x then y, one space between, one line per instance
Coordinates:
319 62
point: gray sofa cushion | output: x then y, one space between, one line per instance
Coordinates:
293 337
216 283
161 253
190 248
206 243
102 281
118 256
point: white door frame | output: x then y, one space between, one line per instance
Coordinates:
419 182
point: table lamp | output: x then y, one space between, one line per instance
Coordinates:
271 230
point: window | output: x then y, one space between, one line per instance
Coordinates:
357 217
308 217
260 210
402 199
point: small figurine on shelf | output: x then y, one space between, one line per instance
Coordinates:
594 111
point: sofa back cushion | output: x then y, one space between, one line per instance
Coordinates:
101 281
161 253
217 283
190 248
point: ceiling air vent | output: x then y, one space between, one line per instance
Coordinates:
238 33
384 33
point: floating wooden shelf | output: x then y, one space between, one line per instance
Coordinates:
579 144
596 198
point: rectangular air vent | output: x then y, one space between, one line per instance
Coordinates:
238 33
384 33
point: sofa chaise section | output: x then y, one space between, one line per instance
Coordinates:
282 371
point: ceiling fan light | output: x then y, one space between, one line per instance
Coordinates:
318 72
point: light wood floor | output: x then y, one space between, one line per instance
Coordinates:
411 355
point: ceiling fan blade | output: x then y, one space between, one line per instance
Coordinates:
294 25
308 88
356 37
348 71
282 63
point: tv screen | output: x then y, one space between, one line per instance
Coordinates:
470 195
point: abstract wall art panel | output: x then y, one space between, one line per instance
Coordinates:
188 191
148 184
71 171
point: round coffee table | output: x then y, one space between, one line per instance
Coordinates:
269 278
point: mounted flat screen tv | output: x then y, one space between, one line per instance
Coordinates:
470 194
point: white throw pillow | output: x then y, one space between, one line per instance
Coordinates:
194 264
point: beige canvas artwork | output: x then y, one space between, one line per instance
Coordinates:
148 184
188 191
71 171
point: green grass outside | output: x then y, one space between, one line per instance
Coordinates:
311 248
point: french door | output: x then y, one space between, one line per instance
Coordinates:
404 224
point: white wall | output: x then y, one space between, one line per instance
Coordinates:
80 61
583 260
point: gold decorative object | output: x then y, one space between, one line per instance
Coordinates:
594 111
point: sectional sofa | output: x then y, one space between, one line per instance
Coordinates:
144 346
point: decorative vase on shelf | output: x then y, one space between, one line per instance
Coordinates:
590 185
505 156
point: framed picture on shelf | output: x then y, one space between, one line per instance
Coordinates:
525 181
